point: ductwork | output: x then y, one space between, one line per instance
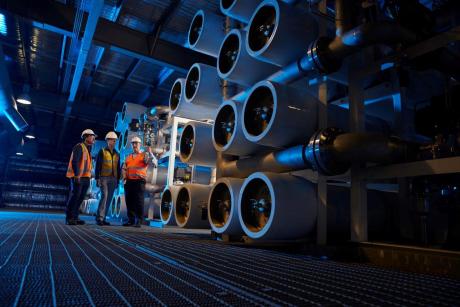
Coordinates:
196 145
206 32
182 108
8 105
240 10
277 207
223 206
275 25
235 64
191 206
277 116
202 86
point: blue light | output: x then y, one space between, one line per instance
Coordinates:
3 28
12 121
386 65
164 74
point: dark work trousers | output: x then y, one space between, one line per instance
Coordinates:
76 197
134 196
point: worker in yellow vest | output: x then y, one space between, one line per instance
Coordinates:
107 175
134 176
79 173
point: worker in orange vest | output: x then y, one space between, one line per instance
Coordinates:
134 176
79 173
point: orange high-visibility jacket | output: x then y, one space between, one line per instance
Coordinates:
85 164
136 168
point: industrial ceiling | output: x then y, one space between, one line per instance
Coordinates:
134 53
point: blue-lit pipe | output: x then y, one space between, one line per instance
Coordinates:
325 55
330 152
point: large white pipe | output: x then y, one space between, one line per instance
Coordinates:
202 86
240 10
277 115
168 198
195 145
227 131
111 213
182 108
121 209
223 206
118 124
91 206
277 206
131 111
127 136
280 33
191 206
235 64
206 32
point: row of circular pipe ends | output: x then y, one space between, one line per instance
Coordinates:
248 207
268 116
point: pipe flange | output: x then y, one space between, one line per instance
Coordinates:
320 153
319 55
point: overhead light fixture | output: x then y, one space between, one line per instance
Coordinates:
19 153
24 98
30 134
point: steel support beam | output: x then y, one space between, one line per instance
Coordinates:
153 39
56 17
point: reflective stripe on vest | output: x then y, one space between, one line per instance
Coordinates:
85 164
109 164
136 168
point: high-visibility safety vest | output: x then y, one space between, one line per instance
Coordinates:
109 163
85 164
136 168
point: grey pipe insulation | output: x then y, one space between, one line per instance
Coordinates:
329 151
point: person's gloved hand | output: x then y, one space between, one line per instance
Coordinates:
98 183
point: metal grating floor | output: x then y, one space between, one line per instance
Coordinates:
46 263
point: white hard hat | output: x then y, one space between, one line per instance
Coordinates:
87 132
135 139
111 135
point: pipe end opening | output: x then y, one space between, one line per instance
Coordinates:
262 28
220 205
256 205
258 111
224 126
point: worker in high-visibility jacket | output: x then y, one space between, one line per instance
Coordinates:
79 173
134 176
107 175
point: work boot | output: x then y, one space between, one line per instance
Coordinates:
100 223
129 223
137 225
80 222
105 223
70 222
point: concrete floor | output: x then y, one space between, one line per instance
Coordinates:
46 263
